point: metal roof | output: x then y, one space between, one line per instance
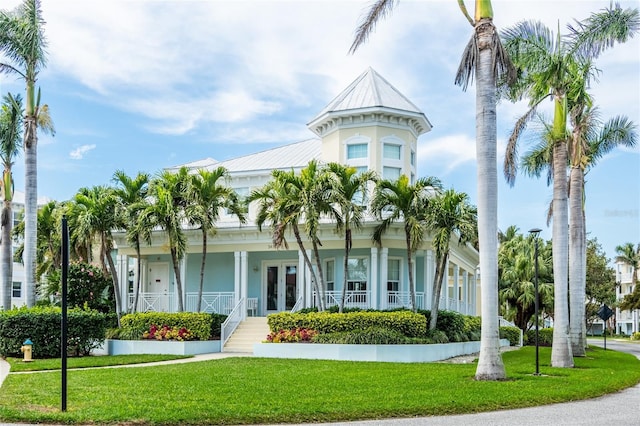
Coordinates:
370 89
295 155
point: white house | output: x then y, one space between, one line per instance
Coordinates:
626 321
370 125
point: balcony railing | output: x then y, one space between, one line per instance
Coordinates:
218 302
353 299
402 299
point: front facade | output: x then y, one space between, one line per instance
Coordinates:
18 289
370 126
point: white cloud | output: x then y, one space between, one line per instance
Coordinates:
78 153
448 152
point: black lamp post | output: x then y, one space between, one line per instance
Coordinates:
535 232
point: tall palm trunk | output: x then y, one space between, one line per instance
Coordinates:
437 289
106 255
561 355
30 198
307 262
345 269
176 272
490 365
7 261
412 287
202 265
320 275
138 277
577 263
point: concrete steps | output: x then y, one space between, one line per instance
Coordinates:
251 330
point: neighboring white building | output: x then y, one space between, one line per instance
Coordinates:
626 321
371 126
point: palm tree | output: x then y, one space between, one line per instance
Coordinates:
168 192
448 214
94 211
349 194
630 255
23 44
559 67
207 198
131 196
399 201
485 58
10 144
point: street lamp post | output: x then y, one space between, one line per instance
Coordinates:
535 232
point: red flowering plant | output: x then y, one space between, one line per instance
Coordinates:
167 333
294 335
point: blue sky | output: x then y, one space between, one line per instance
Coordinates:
139 85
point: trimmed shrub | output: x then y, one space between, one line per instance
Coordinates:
135 325
404 322
437 336
369 336
512 334
294 335
85 331
635 336
545 337
216 324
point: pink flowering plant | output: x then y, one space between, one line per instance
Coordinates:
167 333
293 335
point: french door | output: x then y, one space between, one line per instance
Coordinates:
280 286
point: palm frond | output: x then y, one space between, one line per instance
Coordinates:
378 10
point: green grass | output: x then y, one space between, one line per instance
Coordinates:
18 365
260 390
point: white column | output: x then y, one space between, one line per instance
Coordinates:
122 270
384 275
374 278
445 285
465 291
428 277
456 287
474 297
309 285
244 273
303 288
236 277
183 275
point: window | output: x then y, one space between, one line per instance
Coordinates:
413 158
390 173
413 179
357 274
17 217
357 151
329 274
391 152
393 275
16 289
243 193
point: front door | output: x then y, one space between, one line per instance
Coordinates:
156 296
281 288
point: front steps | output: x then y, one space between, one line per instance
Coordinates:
251 330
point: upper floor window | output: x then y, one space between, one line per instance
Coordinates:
391 151
390 173
413 158
359 150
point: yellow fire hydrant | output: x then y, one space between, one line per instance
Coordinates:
27 350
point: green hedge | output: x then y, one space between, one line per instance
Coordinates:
42 325
405 322
512 334
545 337
198 323
369 336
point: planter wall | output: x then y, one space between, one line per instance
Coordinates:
380 353
128 347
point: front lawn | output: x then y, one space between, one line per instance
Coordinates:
17 364
260 390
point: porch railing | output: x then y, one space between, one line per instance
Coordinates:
212 302
299 305
353 299
153 302
229 325
402 299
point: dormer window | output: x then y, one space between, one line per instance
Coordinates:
359 150
391 151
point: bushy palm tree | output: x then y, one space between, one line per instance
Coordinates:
561 68
516 261
132 199
207 197
10 144
94 211
484 58
168 191
23 44
630 255
449 214
350 196
399 201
